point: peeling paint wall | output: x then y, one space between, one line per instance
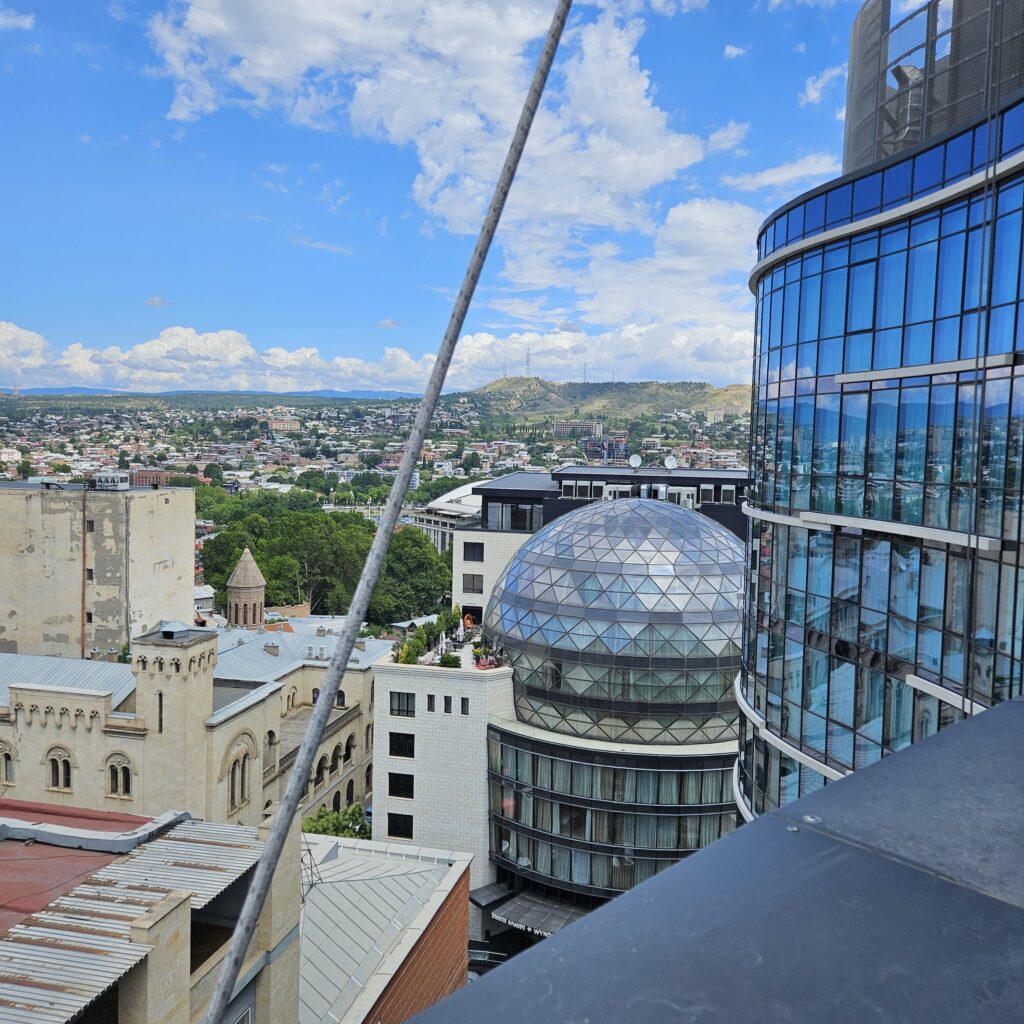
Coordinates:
88 569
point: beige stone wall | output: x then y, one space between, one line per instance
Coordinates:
139 553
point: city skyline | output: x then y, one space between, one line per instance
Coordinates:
202 207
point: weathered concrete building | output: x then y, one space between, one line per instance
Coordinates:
84 569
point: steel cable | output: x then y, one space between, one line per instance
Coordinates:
258 889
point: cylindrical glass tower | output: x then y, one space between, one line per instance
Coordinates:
886 599
622 622
916 76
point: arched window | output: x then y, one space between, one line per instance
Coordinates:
7 769
234 620
113 780
234 785
126 781
339 700
269 749
244 782
350 746
369 737
316 694
321 771
159 711
254 619
59 763
245 615
350 792
336 757
337 801
369 779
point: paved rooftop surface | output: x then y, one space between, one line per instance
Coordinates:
894 895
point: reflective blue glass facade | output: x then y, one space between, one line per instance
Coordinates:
886 599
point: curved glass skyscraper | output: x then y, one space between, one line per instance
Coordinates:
886 599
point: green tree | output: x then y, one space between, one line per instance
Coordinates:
191 468
471 461
414 579
214 473
24 469
350 823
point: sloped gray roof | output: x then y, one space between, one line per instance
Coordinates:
65 674
365 897
247 572
242 655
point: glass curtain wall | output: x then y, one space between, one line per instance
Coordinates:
885 597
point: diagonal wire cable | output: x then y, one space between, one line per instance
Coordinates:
249 917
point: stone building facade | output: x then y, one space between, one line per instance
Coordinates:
166 732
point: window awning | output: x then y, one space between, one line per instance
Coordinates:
532 913
488 895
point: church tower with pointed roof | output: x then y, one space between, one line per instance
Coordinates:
245 591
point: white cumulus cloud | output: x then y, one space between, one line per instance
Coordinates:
816 85
10 19
732 52
816 166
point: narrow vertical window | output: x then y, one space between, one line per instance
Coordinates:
67 773
114 779
54 773
126 781
160 711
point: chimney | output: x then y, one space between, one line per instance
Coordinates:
360 645
272 647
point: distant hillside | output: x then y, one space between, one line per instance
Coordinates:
531 398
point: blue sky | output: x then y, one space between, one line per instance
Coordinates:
249 193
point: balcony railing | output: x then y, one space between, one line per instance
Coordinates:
894 894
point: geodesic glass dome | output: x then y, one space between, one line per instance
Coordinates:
622 621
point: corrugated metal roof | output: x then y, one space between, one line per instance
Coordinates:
366 894
65 674
200 856
59 959
249 661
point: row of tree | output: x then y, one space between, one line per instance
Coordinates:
307 554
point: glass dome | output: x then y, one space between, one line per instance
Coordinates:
622 621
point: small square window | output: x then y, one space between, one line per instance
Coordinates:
465 705
403 705
430 702
472 583
90 526
90 575
472 552
88 616
400 785
402 744
400 826
447 705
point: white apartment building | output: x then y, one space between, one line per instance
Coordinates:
430 759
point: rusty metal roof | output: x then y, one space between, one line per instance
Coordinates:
57 960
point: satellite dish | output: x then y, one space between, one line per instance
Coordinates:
671 462
635 460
